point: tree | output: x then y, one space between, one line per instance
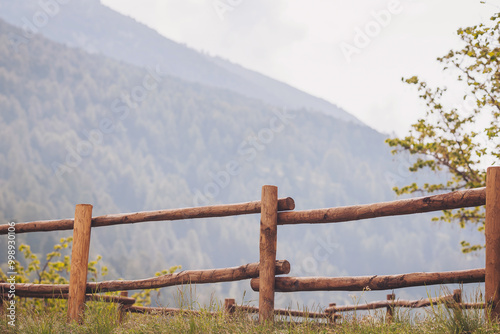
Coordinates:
460 141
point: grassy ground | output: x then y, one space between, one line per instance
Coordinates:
103 318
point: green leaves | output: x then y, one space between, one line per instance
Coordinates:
452 139
54 271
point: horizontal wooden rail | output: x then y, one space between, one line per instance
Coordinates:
469 306
165 310
393 303
88 297
290 313
453 200
139 217
184 277
360 283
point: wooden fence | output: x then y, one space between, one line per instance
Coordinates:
78 287
276 212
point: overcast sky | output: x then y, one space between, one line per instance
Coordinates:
351 53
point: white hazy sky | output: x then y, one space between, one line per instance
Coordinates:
299 42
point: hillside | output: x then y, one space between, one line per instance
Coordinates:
80 128
96 28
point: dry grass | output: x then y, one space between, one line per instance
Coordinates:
103 318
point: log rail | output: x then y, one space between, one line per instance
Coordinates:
362 283
393 303
184 277
448 201
146 216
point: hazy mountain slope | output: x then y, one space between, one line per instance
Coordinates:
78 128
96 28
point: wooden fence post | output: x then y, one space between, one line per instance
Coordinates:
332 314
122 309
457 303
79 262
389 314
2 304
230 306
268 240
492 233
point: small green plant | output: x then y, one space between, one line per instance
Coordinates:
56 269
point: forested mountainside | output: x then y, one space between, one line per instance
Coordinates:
80 128
91 26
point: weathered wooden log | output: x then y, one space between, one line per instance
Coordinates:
79 262
389 312
393 303
184 277
469 306
138 217
453 200
492 234
457 300
88 297
360 283
332 315
122 308
267 248
290 313
166 310
229 306
3 300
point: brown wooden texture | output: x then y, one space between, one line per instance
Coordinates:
268 240
389 313
360 283
122 308
453 200
166 310
457 296
492 231
184 277
290 313
88 297
229 305
390 303
332 315
457 300
470 305
79 262
139 217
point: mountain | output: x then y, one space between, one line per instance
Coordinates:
85 128
98 29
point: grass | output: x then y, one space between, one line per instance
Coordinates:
103 318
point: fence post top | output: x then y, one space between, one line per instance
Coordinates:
85 205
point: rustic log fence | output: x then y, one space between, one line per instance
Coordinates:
489 196
81 225
453 301
276 212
